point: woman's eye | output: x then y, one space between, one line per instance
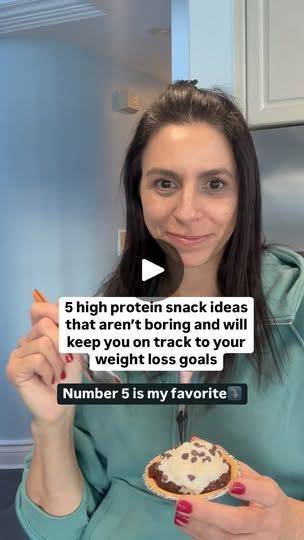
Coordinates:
215 184
164 184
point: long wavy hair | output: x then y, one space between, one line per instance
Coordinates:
239 273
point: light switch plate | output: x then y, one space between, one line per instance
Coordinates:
121 241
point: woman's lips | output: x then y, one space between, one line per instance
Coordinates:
188 240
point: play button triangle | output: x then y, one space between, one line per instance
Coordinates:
149 269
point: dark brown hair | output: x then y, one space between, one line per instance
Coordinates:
239 272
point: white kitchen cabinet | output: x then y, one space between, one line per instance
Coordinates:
275 62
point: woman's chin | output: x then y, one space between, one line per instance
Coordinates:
192 261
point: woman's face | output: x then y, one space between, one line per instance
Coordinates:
189 188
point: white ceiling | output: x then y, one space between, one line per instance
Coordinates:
122 34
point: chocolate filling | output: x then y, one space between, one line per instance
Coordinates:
159 477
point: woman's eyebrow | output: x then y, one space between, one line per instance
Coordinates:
202 174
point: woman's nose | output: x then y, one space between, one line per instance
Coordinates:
186 205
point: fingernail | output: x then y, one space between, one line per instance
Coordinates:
53 379
238 488
184 506
69 358
180 520
63 375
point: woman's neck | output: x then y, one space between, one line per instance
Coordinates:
193 285
199 281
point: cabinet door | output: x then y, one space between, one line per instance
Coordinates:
275 62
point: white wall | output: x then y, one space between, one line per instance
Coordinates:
61 150
202 42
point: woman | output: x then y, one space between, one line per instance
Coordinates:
190 170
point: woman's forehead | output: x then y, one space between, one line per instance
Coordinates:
196 144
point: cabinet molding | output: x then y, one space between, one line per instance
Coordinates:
275 60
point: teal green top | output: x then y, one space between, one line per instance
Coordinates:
114 442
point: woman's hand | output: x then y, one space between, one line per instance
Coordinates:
268 515
36 366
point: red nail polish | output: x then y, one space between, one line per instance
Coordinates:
63 375
184 506
177 522
180 517
238 488
69 358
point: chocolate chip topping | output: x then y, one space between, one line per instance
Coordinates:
191 476
196 453
185 456
165 455
199 445
193 460
212 450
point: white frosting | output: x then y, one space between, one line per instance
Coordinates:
177 468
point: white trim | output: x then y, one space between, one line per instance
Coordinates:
21 15
13 453
239 51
